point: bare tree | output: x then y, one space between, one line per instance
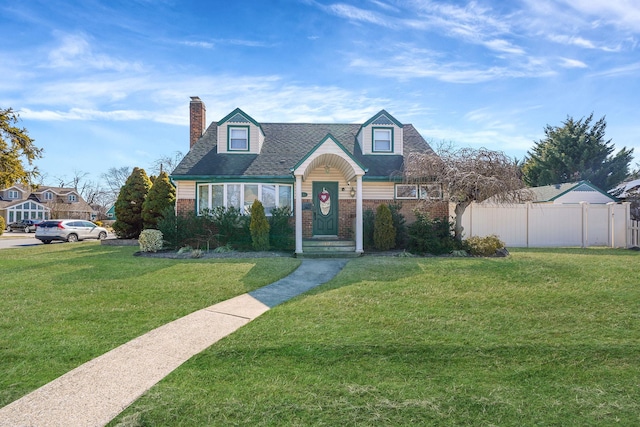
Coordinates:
166 163
114 179
467 175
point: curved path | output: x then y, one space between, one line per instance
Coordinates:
96 392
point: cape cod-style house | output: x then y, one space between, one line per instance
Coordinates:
328 174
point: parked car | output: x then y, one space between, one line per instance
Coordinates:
69 230
26 225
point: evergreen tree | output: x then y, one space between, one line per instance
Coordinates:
128 207
162 195
259 227
384 235
15 145
576 151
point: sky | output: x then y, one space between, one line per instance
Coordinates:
102 84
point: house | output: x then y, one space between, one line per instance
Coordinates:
21 202
570 192
328 174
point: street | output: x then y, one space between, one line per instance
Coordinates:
18 240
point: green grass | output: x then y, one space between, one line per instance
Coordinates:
64 304
544 337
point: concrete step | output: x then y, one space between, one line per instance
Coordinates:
328 248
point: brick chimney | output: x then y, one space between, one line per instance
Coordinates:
197 120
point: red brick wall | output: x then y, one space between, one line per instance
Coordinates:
347 214
185 206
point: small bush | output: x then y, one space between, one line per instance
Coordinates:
3 225
432 236
368 220
232 227
196 253
259 227
399 224
384 235
484 246
185 230
98 223
281 232
150 240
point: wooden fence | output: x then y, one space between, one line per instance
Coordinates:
553 225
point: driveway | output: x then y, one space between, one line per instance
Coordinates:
18 240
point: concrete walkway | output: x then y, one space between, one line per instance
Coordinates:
96 392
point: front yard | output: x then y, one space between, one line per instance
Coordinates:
544 337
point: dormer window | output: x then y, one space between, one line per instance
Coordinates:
238 138
382 140
72 198
48 195
13 194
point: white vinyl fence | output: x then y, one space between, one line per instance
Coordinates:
552 225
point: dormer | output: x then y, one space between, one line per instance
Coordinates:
238 133
14 193
47 196
382 134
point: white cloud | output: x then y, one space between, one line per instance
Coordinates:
75 52
572 63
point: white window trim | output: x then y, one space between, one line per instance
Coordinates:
395 191
242 185
389 132
246 139
48 195
14 194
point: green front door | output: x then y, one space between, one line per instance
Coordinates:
325 208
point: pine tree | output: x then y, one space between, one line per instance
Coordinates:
384 235
128 207
259 227
576 151
162 195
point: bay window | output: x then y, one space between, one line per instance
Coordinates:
242 196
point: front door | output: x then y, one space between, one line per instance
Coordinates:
325 208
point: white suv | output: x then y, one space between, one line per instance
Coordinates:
69 230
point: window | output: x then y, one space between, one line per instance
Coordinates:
48 195
72 198
211 196
238 138
406 191
431 191
13 194
382 140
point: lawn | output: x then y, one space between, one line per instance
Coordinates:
544 337
64 304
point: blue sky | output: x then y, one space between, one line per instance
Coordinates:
103 84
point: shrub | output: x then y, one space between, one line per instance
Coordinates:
150 240
3 225
384 235
484 246
98 223
259 227
399 224
128 206
161 196
368 220
431 236
185 230
231 226
281 232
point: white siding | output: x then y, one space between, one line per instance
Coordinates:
366 142
185 190
256 138
378 190
583 196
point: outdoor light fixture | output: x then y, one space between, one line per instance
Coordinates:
352 192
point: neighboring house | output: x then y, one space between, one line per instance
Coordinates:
328 174
570 192
111 213
21 202
627 189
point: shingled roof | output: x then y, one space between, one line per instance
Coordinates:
285 144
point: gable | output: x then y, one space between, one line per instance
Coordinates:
381 135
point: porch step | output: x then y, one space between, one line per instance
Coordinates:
328 248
